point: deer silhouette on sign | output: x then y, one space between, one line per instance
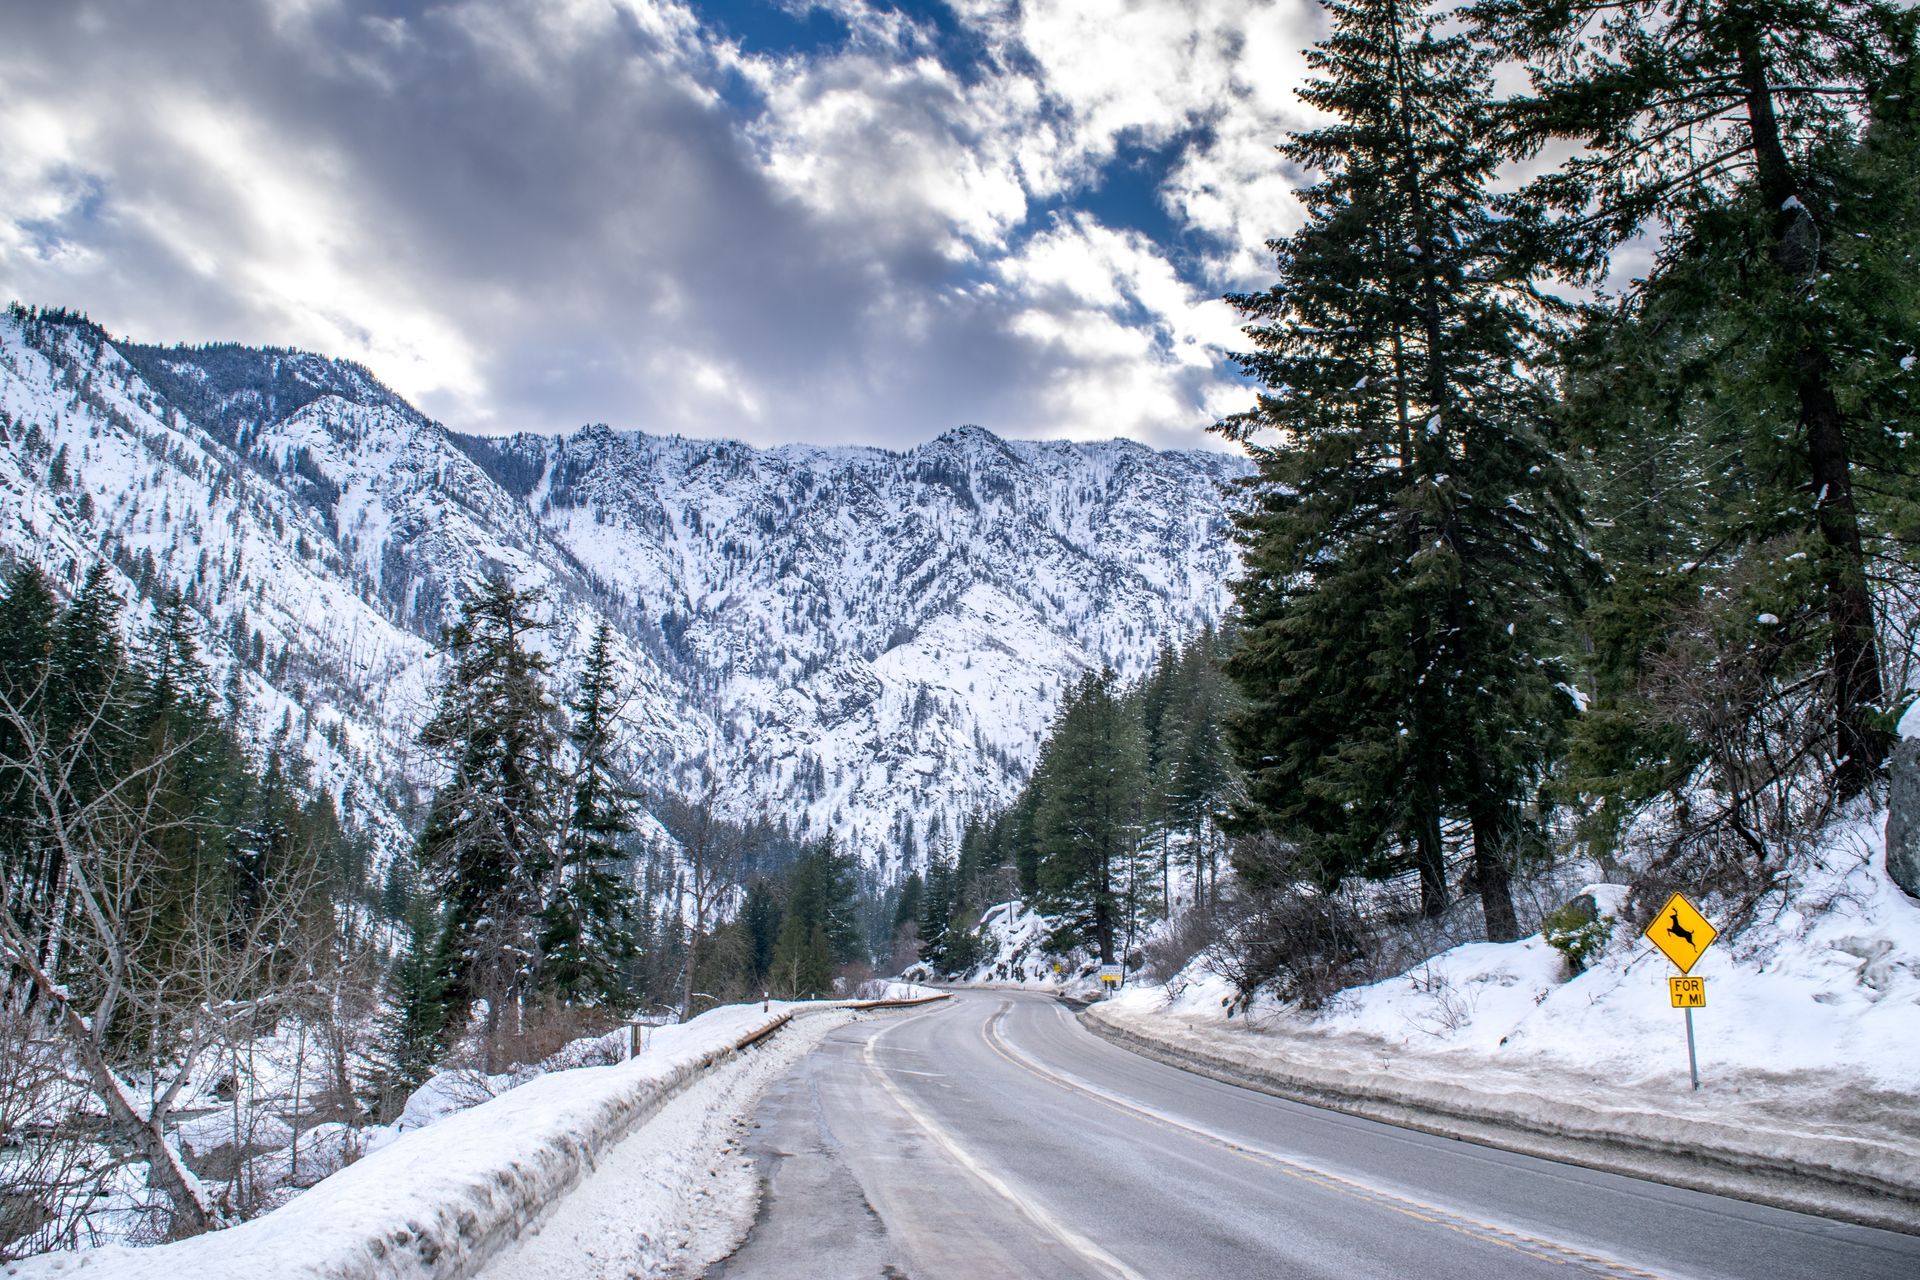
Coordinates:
1678 930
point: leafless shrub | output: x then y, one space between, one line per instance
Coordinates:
906 948
1298 943
546 1029
46 1168
1758 716
1190 932
1449 1009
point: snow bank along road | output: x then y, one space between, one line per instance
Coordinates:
676 1195
993 1136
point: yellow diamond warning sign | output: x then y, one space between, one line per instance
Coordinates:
1681 932
1687 993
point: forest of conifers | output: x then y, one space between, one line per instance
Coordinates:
1584 518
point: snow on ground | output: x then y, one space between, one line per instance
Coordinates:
678 1195
1828 982
439 1199
890 989
1017 941
1809 1046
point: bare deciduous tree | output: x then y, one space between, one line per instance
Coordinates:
45 1173
82 959
712 851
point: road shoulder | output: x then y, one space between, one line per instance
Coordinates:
1868 1177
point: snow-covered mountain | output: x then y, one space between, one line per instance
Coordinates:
856 640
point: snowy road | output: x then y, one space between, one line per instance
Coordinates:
992 1136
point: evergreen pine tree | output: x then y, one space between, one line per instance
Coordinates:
197 764
29 626
821 892
414 1020
91 686
1678 109
906 910
935 916
802 966
1411 523
486 848
1088 816
761 916
587 939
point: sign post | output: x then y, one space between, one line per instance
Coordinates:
1689 994
1683 935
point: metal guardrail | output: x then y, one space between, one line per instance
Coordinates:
756 1036
904 1003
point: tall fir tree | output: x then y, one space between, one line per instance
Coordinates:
195 766
934 910
1411 524
414 1018
802 965
1679 110
587 936
761 916
487 845
1089 813
29 627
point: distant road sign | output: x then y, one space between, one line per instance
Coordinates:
1681 932
1687 993
1111 974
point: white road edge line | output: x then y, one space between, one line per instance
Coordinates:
993 1032
1032 1212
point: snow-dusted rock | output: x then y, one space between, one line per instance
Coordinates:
1903 815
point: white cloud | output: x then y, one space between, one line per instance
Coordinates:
534 213
1152 71
1139 350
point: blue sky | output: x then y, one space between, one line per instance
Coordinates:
843 222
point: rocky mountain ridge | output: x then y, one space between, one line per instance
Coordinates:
849 639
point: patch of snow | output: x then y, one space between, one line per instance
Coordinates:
1809 1044
439 1200
678 1195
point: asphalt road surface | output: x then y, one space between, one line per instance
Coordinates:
992 1136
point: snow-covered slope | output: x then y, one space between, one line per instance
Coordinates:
854 640
1808 1047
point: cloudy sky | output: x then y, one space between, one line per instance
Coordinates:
845 221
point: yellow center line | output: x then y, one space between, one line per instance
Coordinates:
1546 1250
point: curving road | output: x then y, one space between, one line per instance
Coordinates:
991 1136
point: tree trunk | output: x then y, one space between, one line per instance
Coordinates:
1430 859
490 1031
1492 827
1853 642
1166 874
1103 910
1853 645
686 978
